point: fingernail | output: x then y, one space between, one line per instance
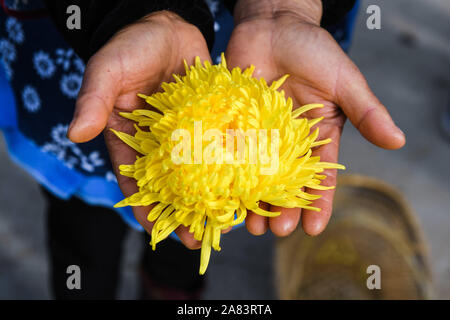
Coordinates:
288 227
401 134
72 125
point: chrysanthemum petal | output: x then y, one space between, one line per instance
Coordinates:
129 140
306 108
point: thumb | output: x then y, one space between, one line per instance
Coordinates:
96 99
364 110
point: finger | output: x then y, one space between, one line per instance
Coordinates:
256 224
187 238
225 231
98 93
314 222
364 110
141 213
286 222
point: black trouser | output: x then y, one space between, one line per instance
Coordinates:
92 238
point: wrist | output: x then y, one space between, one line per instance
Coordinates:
182 25
176 27
164 17
309 11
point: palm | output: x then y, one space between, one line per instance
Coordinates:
320 72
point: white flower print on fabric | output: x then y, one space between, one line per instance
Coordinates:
55 150
7 50
90 162
7 68
30 99
213 6
16 4
61 154
79 65
59 135
111 177
61 146
69 153
7 56
14 29
70 84
216 26
44 65
64 58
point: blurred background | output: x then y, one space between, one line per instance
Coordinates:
407 65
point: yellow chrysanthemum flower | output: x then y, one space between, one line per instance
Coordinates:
211 189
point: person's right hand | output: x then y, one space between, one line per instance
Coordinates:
136 60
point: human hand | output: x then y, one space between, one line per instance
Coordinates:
284 37
136 60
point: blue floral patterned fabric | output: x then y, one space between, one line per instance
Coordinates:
39 84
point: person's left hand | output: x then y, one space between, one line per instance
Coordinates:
285 37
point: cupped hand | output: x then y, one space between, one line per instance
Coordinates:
136 60
281 40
